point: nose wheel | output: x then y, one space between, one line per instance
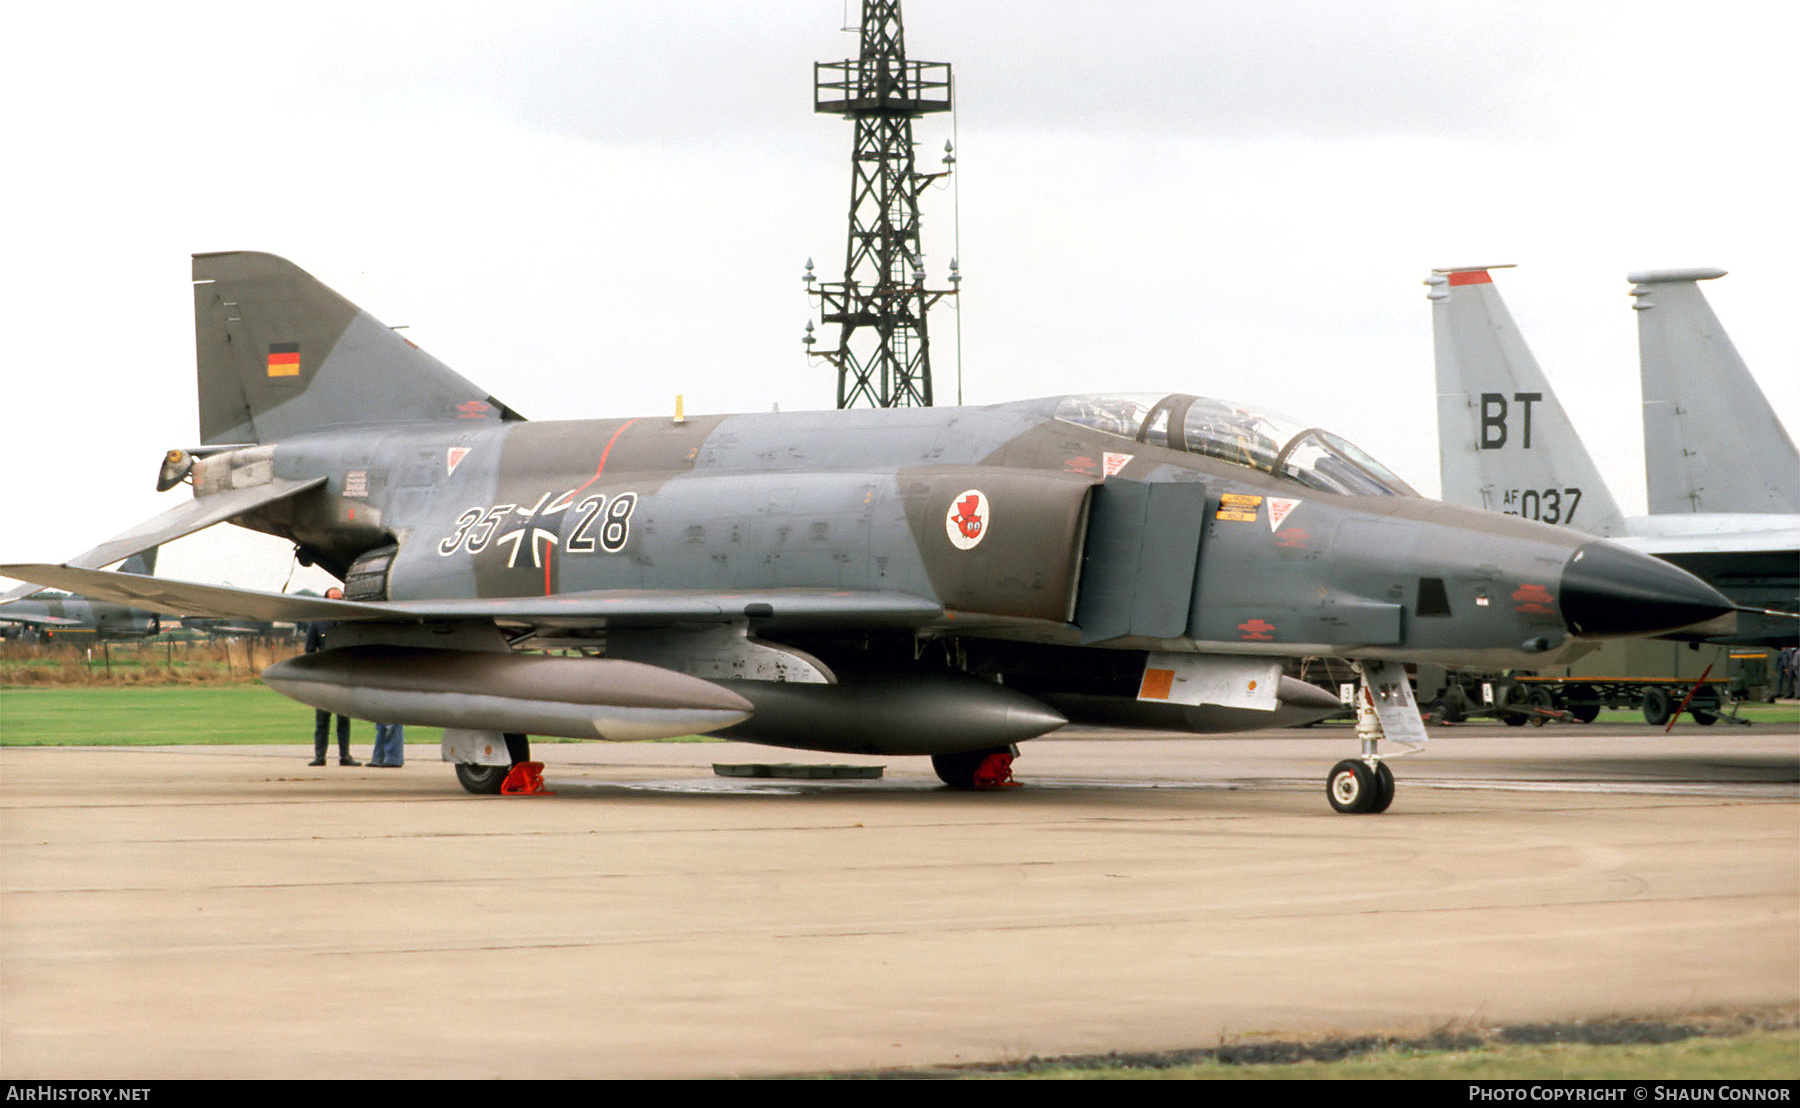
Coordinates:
1358 787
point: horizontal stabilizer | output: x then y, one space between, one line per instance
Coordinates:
787 608
184 519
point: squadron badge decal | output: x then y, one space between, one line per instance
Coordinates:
967 520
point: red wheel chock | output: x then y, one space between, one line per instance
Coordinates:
526 779
995 772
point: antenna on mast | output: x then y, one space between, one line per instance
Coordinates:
883 356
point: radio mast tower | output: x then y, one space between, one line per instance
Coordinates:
883 357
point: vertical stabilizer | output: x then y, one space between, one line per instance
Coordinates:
1504 441
280 354
1711 441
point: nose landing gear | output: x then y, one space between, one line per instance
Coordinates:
1384 709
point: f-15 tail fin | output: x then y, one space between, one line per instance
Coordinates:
1504 441
1711 441
279 354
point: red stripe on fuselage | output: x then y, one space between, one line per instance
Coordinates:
598 470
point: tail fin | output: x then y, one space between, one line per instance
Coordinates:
1504 441
1711 441
279 353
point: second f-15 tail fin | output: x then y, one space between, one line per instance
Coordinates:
1711 441
1504 441
280 354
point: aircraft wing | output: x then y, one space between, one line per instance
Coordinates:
611 607
184 519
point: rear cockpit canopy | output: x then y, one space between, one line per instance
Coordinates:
1254 438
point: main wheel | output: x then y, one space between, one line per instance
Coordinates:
975 769
486 780
1354 787
1657 708
481 779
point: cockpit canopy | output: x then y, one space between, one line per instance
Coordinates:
1239 434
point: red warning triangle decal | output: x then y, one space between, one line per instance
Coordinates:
1278 511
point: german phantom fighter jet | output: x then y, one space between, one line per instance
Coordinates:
943 582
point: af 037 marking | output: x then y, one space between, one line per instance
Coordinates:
966 523
1543 505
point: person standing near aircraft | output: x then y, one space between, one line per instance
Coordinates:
390 746
315 641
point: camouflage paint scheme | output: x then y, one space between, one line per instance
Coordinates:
972 575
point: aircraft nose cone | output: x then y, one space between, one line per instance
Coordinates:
1611 592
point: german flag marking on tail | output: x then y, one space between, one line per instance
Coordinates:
284 359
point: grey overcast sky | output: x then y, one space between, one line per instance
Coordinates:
591 207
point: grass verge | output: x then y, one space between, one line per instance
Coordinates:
1748 1045
146 715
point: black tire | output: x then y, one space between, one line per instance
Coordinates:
958 770
482 780
1384 784
1539 701
1704 706
486 780
1584 703
1657 708
1437 712
1353 787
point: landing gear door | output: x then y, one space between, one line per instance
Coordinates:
1139 562
1390 693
